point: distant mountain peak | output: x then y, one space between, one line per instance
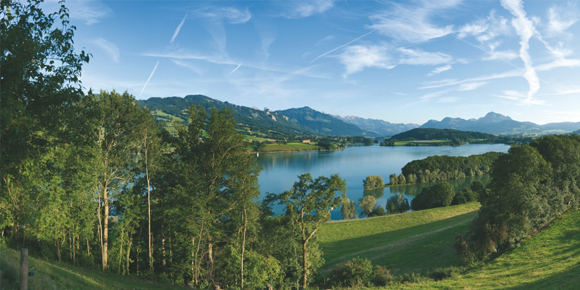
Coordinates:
495 117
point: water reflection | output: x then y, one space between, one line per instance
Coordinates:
354 164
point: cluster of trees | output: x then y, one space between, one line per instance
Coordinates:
369 207
531 185
440 168
93 180
443 194
456 137
373 181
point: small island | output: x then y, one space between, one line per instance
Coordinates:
438 137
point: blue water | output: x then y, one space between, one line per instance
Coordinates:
353 164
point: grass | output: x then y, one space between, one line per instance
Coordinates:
410 242
55 275
290 147
549 260
167 120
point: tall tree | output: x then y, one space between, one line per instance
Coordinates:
40 82
308 204
116 130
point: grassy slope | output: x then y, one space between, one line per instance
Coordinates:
290 147
411 242
549 260
54 275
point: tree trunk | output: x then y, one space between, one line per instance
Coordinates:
163 261
121 249
148 206
243 248
129 250
57 244
105 229
304 266
88 248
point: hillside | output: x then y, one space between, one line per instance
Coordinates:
549 260
383 128
55 275
247 119
323 123
494 123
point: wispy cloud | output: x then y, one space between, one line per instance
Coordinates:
419 57
411 23
188 65
453 82
228 14
341 46
470 86
110 48
358 57
88 11
440 69
150 76
218 59
561 18
485 30
178 29
519 98
525 29
301 9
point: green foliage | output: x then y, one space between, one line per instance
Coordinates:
531 185
348 209
307 205
397 204
248 120
367 204
455 136
373 182
439 195
440 168
354 273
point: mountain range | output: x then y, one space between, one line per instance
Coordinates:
494 123
307 121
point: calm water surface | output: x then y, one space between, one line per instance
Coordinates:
354 164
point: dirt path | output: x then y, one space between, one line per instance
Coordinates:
398 244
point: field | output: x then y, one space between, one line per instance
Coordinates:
290 147
410 242
167 120
54 275
549 260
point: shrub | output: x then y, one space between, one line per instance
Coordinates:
354 273
441 273
382 276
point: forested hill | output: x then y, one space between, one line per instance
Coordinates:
495 123
441 134
323 123
247 119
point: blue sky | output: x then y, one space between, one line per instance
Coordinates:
400 61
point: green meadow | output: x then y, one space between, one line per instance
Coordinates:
55 275
409 242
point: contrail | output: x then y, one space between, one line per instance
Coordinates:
177 29
330 51
150 76
237 67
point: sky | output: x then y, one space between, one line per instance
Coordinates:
399 61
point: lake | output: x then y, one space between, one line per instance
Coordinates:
354 164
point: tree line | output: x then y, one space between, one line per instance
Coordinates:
92 179
440 168
531 185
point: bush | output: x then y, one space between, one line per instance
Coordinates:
410 278
354 273
378 211
382 276
441 273
373 182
